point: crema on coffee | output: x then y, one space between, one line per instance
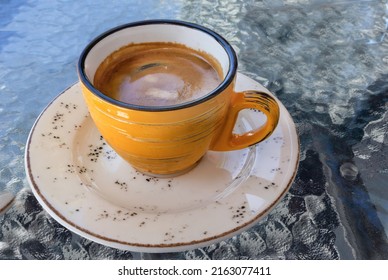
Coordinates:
157 74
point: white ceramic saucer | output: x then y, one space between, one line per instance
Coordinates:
88 188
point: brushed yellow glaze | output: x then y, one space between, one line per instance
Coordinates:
165 142
168 142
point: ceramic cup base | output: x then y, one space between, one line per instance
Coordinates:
169 175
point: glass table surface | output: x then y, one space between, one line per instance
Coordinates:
326 61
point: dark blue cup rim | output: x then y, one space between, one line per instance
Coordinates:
221 87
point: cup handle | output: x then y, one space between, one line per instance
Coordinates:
250 99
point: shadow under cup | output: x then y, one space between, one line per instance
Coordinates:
169 140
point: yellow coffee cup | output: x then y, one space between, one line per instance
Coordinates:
170 140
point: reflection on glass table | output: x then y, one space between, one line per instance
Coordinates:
326 61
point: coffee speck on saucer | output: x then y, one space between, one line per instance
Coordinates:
122 185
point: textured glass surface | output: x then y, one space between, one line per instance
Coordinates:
327 61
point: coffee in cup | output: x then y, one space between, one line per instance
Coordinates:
157 74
